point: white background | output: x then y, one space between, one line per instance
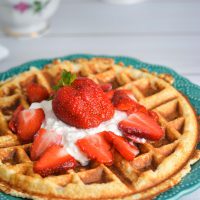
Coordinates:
165 32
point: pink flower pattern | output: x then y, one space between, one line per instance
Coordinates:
22 6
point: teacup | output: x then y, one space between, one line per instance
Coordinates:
22 18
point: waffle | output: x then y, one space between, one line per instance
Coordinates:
159 166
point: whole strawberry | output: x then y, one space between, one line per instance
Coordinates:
81 102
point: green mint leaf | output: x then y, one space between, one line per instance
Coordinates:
67 78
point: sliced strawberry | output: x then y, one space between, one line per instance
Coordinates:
54 160
121 145
44 139
106 87
135 139
96 148
123 102
36 93
141 125
12 123
28 122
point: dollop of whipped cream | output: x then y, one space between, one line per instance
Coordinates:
71 134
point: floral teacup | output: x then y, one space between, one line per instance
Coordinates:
26 17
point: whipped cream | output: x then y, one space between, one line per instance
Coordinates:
71 134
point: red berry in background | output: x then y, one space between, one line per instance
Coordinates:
36 93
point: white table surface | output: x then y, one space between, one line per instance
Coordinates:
165 32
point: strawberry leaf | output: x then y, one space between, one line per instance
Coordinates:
67 79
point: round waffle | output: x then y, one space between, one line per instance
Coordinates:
159 166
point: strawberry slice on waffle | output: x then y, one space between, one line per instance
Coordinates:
121 145
42 140
96 148
28 122
53 161
122 101
141 125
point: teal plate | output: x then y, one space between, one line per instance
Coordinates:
190 182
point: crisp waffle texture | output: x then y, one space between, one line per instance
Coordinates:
159 166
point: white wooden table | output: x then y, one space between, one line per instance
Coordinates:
165 32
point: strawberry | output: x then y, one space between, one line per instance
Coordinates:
42 140
12 122
123 102
106 87
53 161
121 145
36 93
96 148
28 122
81 102
141 125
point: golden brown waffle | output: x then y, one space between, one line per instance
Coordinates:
159 166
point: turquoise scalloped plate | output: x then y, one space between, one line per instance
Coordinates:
190 182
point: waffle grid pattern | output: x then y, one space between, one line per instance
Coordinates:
124 177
